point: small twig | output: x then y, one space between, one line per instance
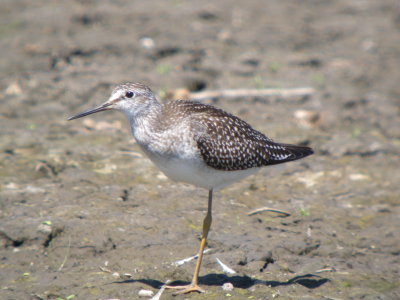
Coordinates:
263 209
329 269
106 270
185 260
225 268
124 276
158 295
66 255
231 93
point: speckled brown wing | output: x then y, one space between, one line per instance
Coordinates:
229 143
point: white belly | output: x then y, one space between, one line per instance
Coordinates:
198 173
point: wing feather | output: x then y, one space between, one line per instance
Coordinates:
226 142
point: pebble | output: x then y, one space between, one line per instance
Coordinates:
146 293
147 43
307 118
44 228
227 286
13 89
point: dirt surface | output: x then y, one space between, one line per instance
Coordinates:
81 206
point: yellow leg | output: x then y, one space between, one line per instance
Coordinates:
194 285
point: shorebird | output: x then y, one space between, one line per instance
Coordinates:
195 143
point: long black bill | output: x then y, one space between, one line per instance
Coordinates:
102 107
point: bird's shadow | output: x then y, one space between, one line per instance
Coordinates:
309 281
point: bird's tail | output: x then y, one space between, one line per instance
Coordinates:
290 152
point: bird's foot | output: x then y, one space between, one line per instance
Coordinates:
185 289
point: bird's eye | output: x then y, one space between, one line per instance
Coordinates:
129 94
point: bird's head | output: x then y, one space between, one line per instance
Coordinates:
130 98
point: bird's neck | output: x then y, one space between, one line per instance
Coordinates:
144 122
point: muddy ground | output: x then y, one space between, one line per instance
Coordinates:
81 206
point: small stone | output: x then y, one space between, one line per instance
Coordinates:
358 177
147 43
146 293
307 118
12 186
227 286
161 176
13 89
44 228
126 276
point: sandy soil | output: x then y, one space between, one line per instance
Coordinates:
80 206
